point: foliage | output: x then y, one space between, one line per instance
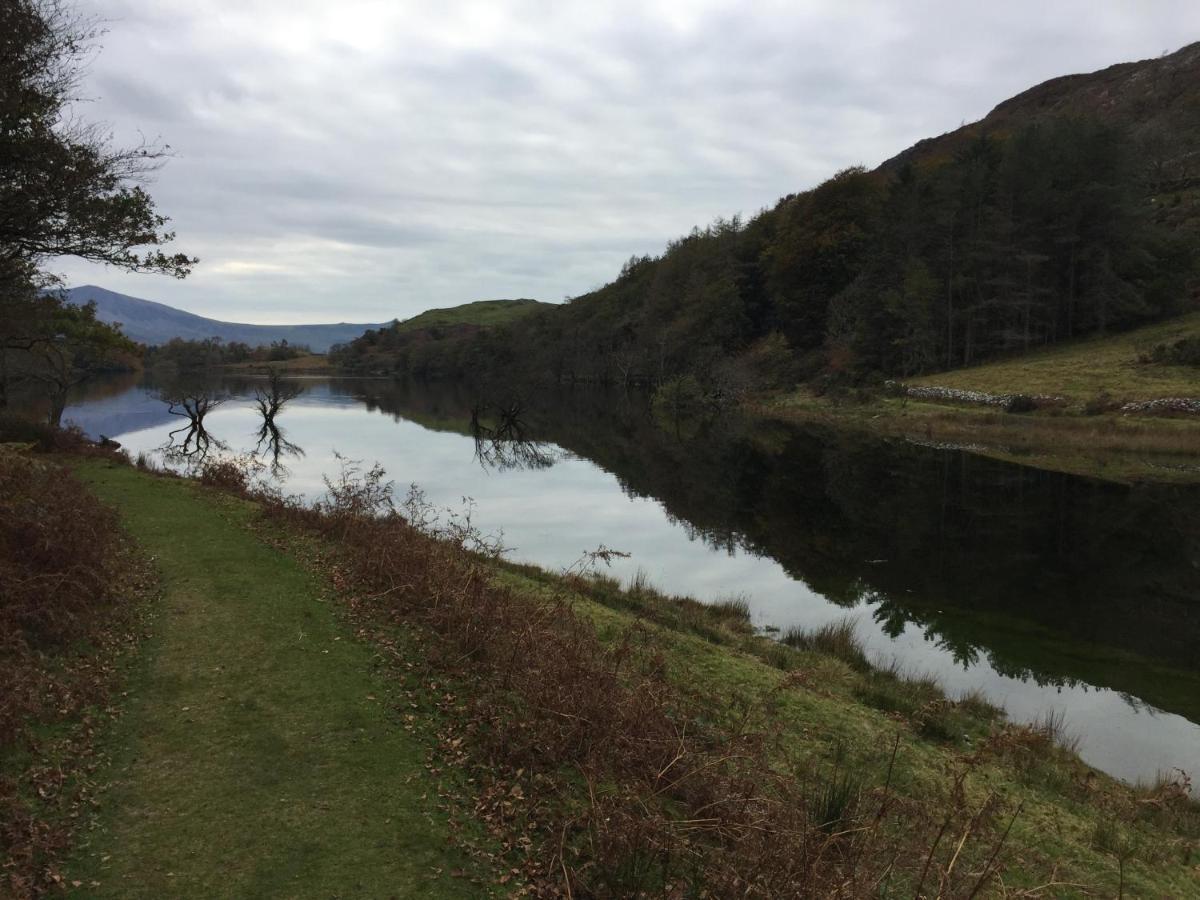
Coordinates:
211 353
64 581
64 191
1183 352
401 346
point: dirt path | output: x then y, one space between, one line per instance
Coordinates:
257 755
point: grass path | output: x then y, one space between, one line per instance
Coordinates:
257 756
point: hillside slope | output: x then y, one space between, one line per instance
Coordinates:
152 323
1071 209
1086 369
483 313
395 348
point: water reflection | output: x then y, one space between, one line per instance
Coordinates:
502 438
1042 590
272 443
1053 578
194 405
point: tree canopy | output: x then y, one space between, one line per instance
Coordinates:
1016 239
65 190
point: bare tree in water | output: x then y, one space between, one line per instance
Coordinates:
196 442
505 443
271 440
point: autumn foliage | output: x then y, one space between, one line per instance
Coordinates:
64 572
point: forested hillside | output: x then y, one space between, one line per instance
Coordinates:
380 348
1071 209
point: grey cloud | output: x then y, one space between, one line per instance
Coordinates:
364 161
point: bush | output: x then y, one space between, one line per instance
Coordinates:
226 474
45 438
1184 352
679 395
57 545
1101 403
1020 403
63 571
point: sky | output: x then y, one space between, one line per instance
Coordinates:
364 160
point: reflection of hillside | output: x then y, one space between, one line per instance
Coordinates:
1047 575
115 405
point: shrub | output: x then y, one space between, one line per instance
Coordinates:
1184 352
1020 403
63 568
57 546
680 395
838 639
45 438
226 474
1101 403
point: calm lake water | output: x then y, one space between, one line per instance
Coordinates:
1047 592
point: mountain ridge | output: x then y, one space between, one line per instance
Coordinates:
153 323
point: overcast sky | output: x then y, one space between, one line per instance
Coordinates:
361 161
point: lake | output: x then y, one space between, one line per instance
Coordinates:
1047 592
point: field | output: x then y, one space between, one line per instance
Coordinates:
1084 369
1085 434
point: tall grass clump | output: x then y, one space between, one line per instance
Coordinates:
1051 726
839 639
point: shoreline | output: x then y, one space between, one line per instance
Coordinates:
1127 449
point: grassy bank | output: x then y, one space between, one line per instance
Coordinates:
1085 432
613 741
1084 370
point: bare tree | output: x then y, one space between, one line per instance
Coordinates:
271 439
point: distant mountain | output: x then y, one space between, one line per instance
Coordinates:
148 322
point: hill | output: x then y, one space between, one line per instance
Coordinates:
151 323
1071 209
396 347
483 313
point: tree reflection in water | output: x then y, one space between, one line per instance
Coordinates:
505 443
272 444
196 443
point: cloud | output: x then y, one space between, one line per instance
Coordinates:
368 159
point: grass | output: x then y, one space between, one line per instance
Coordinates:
251 762
484 313
258 754
1081 370
309 364
821 708
837 639
1098 373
